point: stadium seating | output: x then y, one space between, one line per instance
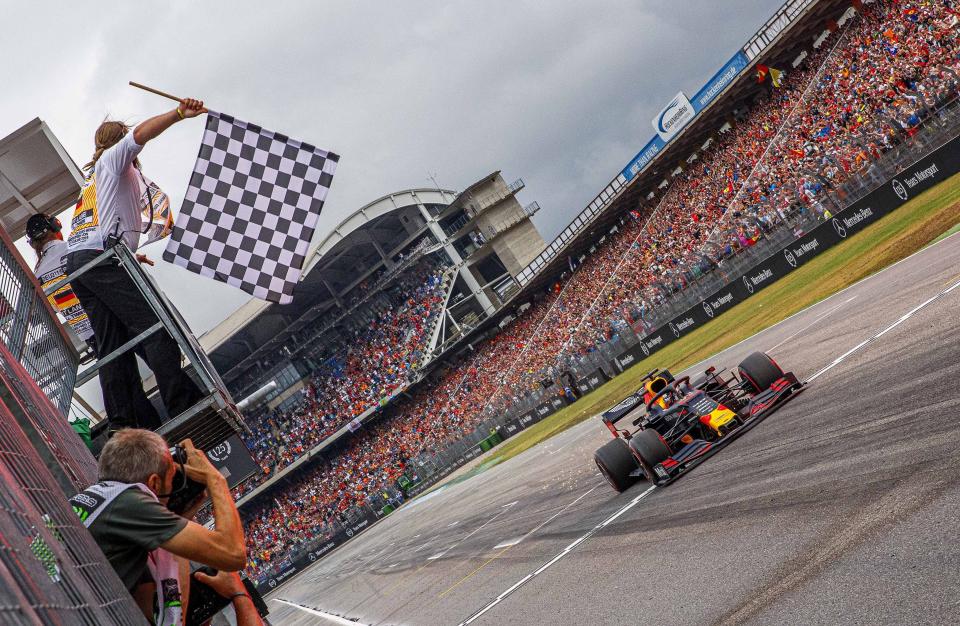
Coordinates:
377 357
865 90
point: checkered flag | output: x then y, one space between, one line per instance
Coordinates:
251 209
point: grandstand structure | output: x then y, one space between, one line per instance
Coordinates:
481 239
784 158
498 263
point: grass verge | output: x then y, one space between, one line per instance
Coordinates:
924 219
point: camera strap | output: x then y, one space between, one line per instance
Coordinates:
163 566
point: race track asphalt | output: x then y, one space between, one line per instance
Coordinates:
840 508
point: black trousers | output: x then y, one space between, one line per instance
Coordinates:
118 313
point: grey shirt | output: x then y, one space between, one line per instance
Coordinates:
129 528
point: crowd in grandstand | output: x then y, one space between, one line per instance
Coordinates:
378 354
867 88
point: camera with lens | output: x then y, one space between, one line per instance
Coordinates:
185 491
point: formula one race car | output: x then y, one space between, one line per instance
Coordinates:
680 424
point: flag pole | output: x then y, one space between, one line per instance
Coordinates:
155 91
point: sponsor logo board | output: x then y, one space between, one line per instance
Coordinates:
673 117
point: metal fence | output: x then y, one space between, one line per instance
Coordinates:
31 331
51 571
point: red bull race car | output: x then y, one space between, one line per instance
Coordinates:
678 423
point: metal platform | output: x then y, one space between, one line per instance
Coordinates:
215 418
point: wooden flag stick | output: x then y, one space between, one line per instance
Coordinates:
155 91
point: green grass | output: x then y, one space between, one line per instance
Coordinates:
896 236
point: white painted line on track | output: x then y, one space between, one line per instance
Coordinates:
471 534
559 556
335 619
813 323
508 543
530 532
451 525
827 299
903 318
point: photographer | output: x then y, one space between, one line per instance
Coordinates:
127 514
109 212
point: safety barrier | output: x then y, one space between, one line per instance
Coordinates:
51 570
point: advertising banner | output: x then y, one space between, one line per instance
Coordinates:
557 403
649 152
720 81
592 380
672 118
528 418
543 410
680 111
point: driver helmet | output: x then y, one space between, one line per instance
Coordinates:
654 387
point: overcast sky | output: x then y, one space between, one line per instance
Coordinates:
559 93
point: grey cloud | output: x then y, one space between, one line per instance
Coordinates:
559 93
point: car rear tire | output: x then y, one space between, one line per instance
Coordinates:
616 462
652 449
760 371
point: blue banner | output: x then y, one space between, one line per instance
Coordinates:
720 80
727 74
646 155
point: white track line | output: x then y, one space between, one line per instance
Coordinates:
336 619
815 321
903 318
827 299
559 556
471 534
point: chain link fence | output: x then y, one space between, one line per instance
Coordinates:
51 570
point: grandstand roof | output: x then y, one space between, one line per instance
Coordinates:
36 176
342 258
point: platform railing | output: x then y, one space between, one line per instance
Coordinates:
211 420
31 331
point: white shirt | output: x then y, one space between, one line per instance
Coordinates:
110 200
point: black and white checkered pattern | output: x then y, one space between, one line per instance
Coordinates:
251 208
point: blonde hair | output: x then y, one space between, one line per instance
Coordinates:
108 134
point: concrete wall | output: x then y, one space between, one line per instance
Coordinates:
518 246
